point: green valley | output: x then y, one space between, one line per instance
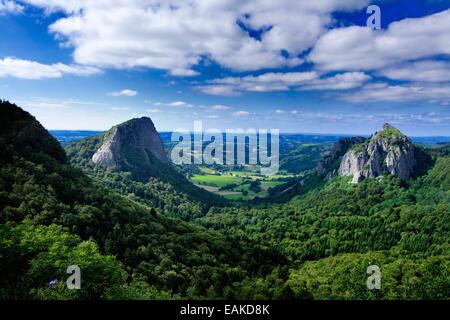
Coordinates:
217 232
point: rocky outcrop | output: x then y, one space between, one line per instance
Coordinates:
387 151
327 165
130 144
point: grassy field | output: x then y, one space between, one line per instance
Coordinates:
266 185
207 170
215 180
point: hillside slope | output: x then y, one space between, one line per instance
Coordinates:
335 230
316 245
140 175
52 214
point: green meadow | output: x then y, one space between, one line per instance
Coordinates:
213 181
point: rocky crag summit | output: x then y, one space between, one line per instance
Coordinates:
135 147
386 152
132 144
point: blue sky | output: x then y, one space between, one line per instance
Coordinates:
297 66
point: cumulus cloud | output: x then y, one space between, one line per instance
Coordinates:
406 51
269 82
183 72
176 35
176 104
124 93
422 71
215 108
361 48
344 81
241 114
25 69
394 117
376 92
180 104
263 83
10 7
183 104
218 90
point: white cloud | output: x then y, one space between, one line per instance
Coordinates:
10 7
184 72
270 82
76 70
153 110
120 108
176 35
25 69
218 90
279 111
46 103
395 118
377 92
344 81
217 107
241 113
124 93
263 83
361 48
180 104
422 71
213 116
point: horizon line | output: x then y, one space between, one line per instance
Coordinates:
281 133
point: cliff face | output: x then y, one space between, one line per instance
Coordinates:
130 144
387 151
327 166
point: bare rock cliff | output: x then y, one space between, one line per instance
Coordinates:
327 165
387 151
130 144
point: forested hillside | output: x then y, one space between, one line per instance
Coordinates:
123 234
167 190
334 232
302 158
53 216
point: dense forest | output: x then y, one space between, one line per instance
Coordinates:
52 216
153 239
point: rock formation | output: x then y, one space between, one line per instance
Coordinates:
387 151
130 144
327 165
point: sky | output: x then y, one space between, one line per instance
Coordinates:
294 65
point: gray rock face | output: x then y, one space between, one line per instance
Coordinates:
387 151
128 145
337 151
